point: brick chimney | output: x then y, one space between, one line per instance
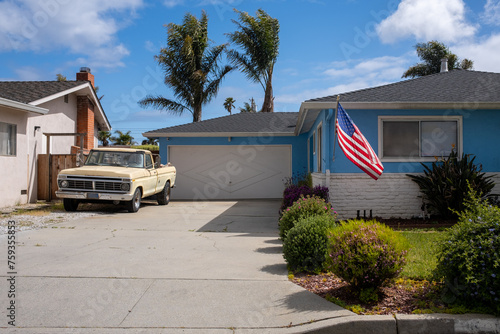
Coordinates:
85 112
85 75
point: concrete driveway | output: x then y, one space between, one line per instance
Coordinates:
208 267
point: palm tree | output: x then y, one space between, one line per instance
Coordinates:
229 104
150 141
249 107
191 68
259 38
103 137
431 53
60 77
122 138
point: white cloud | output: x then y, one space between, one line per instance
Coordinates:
346 76
492 12
151 47
426 20
172 3
484 53
28 73
87 28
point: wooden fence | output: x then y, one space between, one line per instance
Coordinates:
47 176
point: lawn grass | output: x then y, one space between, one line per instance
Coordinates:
421 258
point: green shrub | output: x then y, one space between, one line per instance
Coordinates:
444 186
366 254
302 208
305 247
469 256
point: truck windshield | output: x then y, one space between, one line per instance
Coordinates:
120 159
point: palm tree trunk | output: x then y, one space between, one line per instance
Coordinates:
268 105
197 114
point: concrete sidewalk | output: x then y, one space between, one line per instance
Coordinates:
211 267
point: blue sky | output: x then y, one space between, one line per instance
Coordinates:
327 47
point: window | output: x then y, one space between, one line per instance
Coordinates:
149 162
319 143
421 138
8 139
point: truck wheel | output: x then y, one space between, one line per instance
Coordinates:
135 203
70 204
164 196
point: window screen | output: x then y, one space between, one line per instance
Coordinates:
400 139
438 138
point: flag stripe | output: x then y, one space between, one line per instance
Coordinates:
355 146
368 158
357 159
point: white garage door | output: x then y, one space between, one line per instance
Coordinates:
230 172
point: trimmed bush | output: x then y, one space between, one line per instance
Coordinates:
444 185
469 256
293 192
302 208
366 254
306 245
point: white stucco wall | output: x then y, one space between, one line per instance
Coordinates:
60 119
14 169
392 195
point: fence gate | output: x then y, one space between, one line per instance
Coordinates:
47 186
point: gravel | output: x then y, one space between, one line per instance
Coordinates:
41 215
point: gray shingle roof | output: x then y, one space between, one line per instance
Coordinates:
245 123
29 91
453 86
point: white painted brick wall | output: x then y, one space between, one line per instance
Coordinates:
392 195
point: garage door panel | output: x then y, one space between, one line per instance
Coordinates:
223 172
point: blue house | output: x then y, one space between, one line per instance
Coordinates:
248 155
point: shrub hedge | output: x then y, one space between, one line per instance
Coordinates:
305 247
302 208
469 256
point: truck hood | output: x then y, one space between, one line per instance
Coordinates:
106 171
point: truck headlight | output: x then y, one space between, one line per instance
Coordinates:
63 184
125 186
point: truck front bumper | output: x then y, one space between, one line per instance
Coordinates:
94 196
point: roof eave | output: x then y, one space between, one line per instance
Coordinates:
401 105
215 134
22 106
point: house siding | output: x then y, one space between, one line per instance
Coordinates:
14 168
61 118
394 194
479 129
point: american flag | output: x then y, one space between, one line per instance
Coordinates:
355 146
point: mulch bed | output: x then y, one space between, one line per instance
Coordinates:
402 297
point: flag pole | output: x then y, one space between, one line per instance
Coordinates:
335 127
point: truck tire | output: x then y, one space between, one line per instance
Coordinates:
70 205
135 203
163 197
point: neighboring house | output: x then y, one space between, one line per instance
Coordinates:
30 109
406 123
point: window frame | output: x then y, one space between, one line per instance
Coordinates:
420 158
13 136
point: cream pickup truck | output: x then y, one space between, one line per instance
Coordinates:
116 175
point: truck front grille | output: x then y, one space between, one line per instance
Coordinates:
81 183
